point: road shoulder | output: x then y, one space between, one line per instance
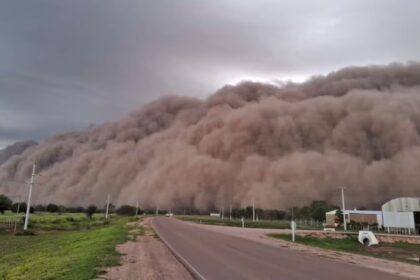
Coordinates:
145 257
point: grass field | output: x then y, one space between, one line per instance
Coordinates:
45 221
235 222
67 246
399 251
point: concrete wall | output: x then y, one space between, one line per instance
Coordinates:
363 218
356 217
330 219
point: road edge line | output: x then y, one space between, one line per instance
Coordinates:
197 275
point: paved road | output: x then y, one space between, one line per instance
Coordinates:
219 256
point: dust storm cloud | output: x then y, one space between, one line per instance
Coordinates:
284 145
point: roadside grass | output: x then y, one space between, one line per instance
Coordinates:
135 229
63 248
44 221
400 251
235 222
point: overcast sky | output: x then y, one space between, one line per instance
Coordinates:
67 64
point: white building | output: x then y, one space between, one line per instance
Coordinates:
359 216
402 214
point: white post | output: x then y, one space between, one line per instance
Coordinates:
107 208
293 225
253 210
28 205
243 221
137 208
230 212
17 213
344 208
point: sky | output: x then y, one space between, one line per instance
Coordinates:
65 65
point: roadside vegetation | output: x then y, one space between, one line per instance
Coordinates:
61 255
60 244
400 251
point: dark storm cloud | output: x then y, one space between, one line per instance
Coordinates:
67 64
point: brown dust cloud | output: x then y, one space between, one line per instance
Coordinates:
280 145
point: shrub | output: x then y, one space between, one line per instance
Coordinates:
90 211
5 203
52 208
126 210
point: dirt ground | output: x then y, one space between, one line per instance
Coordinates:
145 257
260 235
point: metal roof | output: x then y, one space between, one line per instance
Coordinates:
402 204
367 212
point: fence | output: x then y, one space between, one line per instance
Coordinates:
10 222
309 224
402 231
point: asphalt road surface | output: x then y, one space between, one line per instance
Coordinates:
218 256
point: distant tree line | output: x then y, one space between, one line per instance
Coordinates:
7 204
314 211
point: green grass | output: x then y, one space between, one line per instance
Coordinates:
44 221
235 222
61 254
399 251
349 244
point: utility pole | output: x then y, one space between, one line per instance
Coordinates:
292 214
137 208
107 208
230 212
253 210
28 205
344 208
17 213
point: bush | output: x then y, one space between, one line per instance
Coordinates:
5 203
77 209
90 211
52 208
40 208
22 208
126 210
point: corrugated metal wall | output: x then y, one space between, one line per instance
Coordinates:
398 219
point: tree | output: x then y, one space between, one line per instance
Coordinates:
318 208
62 209
339 217
22 208
52 208
40 208
90 211
126 210
5 203
77 209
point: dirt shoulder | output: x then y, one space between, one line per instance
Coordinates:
145 257
260 235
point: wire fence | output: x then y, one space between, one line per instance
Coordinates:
11 222
390 230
